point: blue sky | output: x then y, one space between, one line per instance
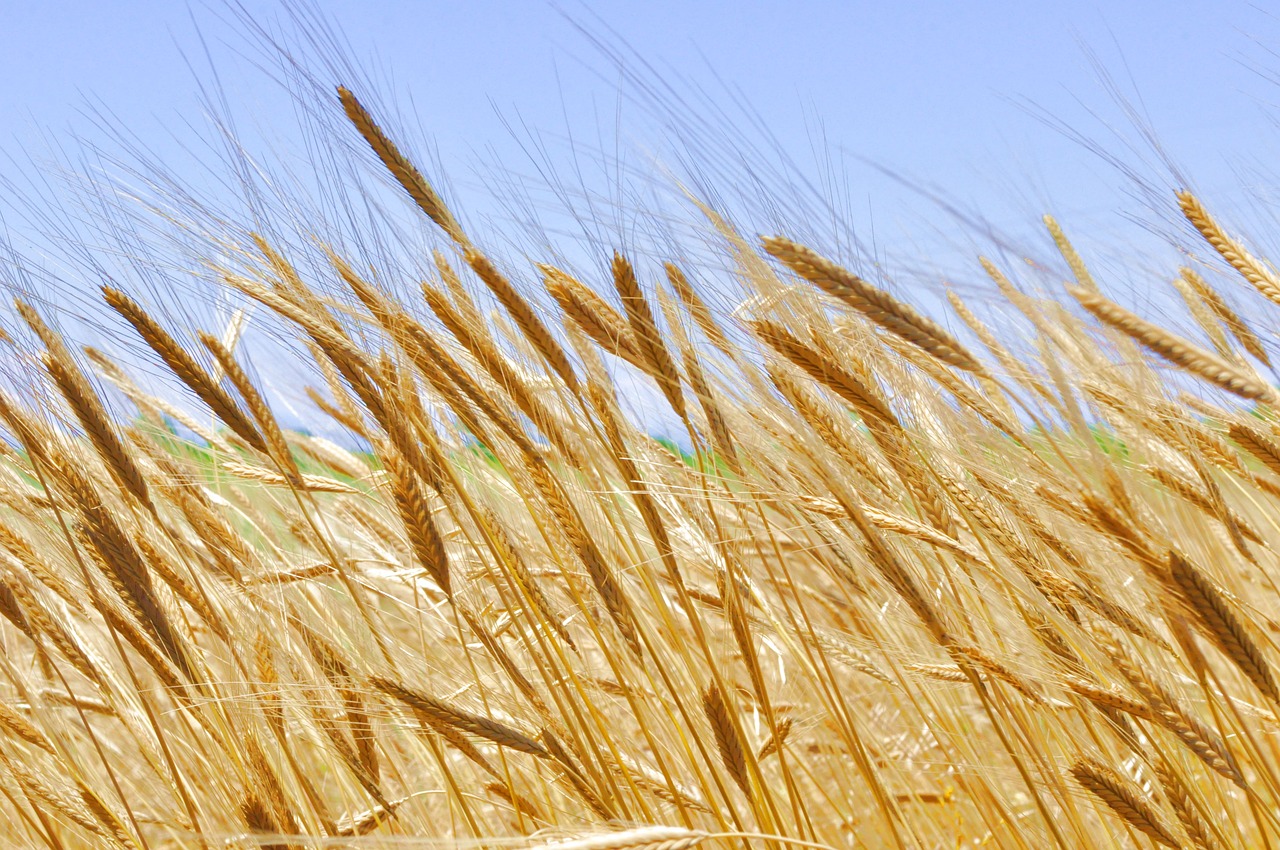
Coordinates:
939 90
967 98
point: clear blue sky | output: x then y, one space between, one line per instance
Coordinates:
929 87
944 93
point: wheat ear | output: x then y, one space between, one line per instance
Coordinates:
185 367
1250 267
1175 349
1069 253
643 838
1219 619
404 171
644 331
525 316
1229 318
1256 443
849 386
86 405
593 315
876 304
1125 799
463 721
728 736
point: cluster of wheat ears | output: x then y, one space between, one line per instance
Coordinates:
903 590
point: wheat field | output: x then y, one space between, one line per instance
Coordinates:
903 581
